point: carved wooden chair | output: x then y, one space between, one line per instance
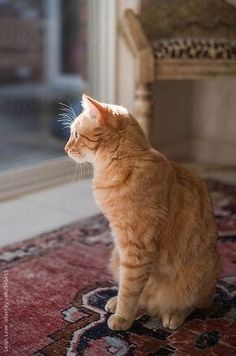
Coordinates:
179 39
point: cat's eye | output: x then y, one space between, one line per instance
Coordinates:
76 134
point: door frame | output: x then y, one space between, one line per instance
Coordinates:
106 48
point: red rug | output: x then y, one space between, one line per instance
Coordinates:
54 288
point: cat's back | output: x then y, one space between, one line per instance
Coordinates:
187 180
192 201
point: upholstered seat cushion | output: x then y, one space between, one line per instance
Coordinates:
195 48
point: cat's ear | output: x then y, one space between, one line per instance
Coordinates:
94 108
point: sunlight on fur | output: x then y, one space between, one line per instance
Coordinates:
164 257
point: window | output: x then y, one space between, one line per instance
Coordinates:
43 61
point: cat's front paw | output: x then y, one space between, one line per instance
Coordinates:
110 306
115 322
173 321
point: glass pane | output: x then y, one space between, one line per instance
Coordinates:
33 78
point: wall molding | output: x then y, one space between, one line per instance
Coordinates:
102 40
109 61
20 181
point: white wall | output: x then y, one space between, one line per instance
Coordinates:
214 121
171 121
196 120
191 119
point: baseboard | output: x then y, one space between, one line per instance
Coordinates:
16 182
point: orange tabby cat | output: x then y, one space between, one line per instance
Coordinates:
164 257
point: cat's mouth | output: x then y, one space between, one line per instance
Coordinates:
76 155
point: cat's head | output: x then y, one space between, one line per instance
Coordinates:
100 128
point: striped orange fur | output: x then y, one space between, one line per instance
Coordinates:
164 257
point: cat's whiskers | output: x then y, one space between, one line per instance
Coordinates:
66 127
64 120
67 116
68 109
71 108
82 170
76 169
66 124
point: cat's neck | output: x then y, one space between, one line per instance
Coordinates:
114 163
112 170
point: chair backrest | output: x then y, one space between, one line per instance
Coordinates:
189 19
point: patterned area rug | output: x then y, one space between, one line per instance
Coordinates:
54 287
